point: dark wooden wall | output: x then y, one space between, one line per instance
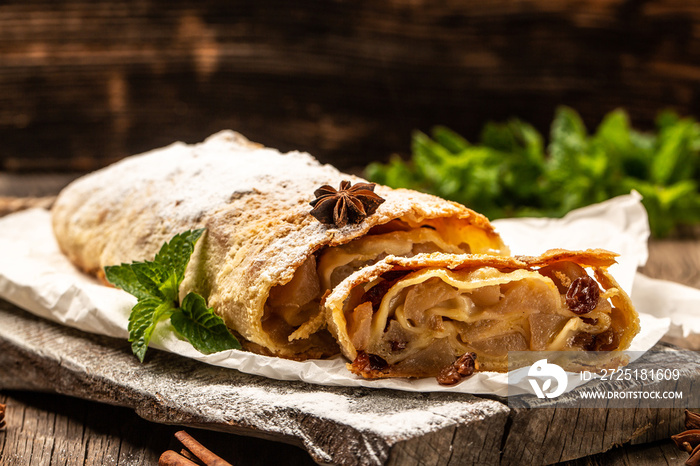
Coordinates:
83 83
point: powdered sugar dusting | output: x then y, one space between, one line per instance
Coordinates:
189 180
390 414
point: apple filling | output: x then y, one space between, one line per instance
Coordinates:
421 321
293 310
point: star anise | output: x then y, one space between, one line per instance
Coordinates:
690 439
347 205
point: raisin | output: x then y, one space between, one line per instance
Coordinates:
585 341
448 375
361 362
582 296
464 366
377 292
563 273
366 362
377 363
606 341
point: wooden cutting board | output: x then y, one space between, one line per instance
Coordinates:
350 426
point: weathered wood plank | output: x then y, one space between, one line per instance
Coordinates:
81 426
25 446
339 425
140 442
549 431
83 83
651 454
33 186
70 441
677 260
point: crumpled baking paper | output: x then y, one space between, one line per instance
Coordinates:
35 276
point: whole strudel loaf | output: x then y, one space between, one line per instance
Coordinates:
264 262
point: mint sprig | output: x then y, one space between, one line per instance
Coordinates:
156 286
200 324
510 171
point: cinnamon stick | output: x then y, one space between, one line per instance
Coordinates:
172 458
186 453
2 415
689 440
199 450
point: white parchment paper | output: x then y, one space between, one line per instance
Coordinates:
35 276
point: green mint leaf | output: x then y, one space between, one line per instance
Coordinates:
156 286
614 130
149 276
175 255
530 140
123 276
510 173
449 139
568 141
203 329
500 136
170 288
142 322
673 161
666 119
141 279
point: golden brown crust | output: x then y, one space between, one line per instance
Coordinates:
254 203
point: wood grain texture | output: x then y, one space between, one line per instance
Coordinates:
347 426
677 260
83 83
545 435
651 454
50 429
353 426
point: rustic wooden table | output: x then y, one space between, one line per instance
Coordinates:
49 429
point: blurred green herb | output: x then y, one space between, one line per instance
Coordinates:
510 173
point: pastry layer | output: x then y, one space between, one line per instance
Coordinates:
419 314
